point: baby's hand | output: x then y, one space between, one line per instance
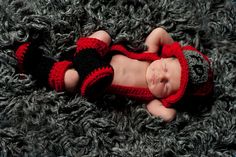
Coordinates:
156 108
156 39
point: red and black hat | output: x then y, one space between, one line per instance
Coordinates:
196 73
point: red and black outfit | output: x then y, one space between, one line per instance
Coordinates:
196 74
96 74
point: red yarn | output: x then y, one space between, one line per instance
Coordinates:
20 54
147 56
56 75
170 50
175 50
93 43
93 77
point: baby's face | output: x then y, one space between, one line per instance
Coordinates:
163 77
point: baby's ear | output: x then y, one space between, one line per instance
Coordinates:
169 50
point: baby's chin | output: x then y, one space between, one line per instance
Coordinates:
156 94
160 95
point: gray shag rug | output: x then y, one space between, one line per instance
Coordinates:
37 121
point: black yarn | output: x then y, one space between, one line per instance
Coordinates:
42 69
86 62
38 65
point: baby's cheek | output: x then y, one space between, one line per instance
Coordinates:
150 87
155 91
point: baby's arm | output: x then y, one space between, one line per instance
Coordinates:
156 108
157 38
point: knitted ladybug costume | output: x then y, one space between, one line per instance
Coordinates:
196 74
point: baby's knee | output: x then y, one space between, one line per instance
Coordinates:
71 80
102 35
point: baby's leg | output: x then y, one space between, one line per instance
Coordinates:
94 73
71 78
156 39
101 35
47 71
57 75
157 109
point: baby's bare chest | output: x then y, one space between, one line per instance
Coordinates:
129 72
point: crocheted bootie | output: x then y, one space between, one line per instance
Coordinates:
95 74
46 70
27 54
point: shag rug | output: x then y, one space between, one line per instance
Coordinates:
37 121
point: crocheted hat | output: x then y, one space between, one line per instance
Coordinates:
196 74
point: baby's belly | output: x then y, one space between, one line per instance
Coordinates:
129 72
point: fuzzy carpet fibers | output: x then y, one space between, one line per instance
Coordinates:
37 121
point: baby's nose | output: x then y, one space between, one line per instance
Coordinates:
163 78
